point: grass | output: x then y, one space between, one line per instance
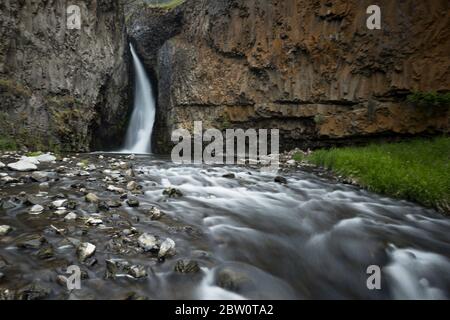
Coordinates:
417 170
168 4
7 144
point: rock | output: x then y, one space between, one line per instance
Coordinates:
280 179
33 241
132 185
167 248
32 160
116 189
230 279
103 206
33 292
229 175
44 186
148 242
61 211
85 250
129 173
91 198
40 176
116 266
36 209
2 165
71 204
114 203
291 162
155 213
22 166
186 266
5 229
59 203
70 216
45 158
137 271
45 253
172 192
131 156
94 222
133 202
8 180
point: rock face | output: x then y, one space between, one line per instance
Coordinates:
307 67
63 88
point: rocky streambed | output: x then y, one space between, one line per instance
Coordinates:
141 227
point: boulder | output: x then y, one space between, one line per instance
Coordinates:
22 166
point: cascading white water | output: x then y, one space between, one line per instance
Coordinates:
139 134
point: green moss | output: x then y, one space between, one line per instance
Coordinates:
418 170
15 88
429 99
34 154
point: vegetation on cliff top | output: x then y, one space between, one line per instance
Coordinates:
429 99
165 4
417 170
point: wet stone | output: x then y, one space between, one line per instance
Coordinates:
229 176
85 250
5 229
137 271
155 213
46 253
91 198
133 202
186 266
172 193
36 209
280 179
148 242
33 241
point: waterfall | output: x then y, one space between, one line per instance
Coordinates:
139 134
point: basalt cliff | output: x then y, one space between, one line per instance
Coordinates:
307 67
61 88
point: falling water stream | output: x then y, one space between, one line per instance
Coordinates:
139 134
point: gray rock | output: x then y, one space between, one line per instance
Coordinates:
148 242
167 248
46 253
230 279
133 202
70 216
91 198
22 166
36 209
4 230
2 165
155 213
85 250
132 185
41 176
47 157
137 271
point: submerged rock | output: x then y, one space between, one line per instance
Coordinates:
46 252
33 241
229 176
186 266
280 179
155 213
85 250
230 279
172 192
133 202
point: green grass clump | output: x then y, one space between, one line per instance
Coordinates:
417 170
165 4
429 99
7 144
34 154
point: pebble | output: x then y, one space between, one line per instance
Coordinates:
36 209
70 216
4 230
91 198
85 250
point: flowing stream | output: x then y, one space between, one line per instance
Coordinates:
139 134
251 237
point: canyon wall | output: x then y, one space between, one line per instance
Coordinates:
60 88
309 68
